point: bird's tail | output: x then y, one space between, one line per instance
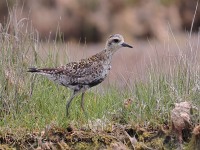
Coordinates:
33 70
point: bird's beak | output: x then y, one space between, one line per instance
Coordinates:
126 45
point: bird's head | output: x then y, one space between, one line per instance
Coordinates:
115 42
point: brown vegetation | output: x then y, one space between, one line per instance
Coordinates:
116 136
93 20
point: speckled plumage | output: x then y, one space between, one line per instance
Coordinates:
86 73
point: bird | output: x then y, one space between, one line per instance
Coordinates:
86 73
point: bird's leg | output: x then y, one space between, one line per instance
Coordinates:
69 102
82 102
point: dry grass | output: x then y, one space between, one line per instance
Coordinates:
153 76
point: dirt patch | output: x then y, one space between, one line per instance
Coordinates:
116 137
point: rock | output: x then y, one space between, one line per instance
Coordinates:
180 117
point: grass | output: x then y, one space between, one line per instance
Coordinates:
29 102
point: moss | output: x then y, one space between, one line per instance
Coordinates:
194 143
6 147
83 146
156 143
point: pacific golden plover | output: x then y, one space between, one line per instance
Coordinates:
86 73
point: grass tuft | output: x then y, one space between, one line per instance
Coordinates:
31 102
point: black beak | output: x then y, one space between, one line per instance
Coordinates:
126 45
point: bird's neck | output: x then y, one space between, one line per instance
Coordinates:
107 54
104 56
110 51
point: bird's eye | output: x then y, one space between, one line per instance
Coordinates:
116 40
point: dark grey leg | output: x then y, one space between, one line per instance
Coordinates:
82 102
69 102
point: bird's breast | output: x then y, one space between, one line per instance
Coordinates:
105 71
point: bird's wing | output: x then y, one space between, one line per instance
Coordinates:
75 69
82 72
81 68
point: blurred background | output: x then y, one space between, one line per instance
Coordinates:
158 29
93 21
